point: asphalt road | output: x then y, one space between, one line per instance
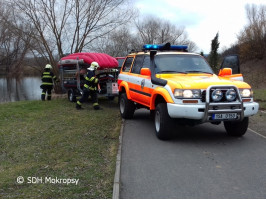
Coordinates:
199 162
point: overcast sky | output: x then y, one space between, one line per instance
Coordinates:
202 18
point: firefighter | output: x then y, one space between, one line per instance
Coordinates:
47 82
90 87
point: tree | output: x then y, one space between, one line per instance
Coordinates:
14 43
214 57
71 25
153 30
117 43
252 39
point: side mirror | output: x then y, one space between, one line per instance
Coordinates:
225 72
145 72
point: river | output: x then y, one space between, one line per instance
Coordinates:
27 88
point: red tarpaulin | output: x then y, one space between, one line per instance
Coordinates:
104 60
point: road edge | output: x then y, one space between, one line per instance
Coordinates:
257 133
116 186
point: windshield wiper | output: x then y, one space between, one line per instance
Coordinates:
195 71
170 71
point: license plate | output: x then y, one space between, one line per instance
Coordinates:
224 116
115 88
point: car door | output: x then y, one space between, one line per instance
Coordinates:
231 62
144 82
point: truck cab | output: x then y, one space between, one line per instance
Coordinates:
180 87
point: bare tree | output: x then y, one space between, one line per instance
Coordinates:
71 25
14 43
252 39
154 30
151 30
117 43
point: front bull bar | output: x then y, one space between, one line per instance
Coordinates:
223 107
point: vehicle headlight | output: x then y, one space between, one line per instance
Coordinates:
246 93
217 95
230 95
187 94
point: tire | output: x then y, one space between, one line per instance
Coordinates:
236 129
71 96
152 115
162 122
126 106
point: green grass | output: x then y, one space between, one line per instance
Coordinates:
53 139
260 97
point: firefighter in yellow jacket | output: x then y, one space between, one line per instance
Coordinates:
90 87
47 82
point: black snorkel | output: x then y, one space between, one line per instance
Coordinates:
154 79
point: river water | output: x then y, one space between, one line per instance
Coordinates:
27 88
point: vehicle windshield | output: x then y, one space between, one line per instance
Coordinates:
174 63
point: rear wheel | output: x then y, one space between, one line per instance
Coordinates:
236 129
162 122
127 107
71 96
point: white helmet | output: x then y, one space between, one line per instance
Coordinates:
48 66
94 66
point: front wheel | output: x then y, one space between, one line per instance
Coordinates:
162 122
238 128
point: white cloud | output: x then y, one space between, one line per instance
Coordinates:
202 18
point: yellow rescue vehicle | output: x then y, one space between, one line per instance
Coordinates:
180 87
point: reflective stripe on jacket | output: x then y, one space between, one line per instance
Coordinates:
47 78
91 81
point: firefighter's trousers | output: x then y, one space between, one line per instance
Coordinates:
46 89
86 94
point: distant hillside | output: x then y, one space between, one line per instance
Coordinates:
254 73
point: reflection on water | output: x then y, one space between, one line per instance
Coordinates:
27 88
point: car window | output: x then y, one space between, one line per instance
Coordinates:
146 62
137 64
127 65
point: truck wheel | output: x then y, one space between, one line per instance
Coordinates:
152 115
162 122
71 96
236 129
127 107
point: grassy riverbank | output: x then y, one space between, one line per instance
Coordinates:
53 139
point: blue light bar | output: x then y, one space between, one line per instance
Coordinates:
164 47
